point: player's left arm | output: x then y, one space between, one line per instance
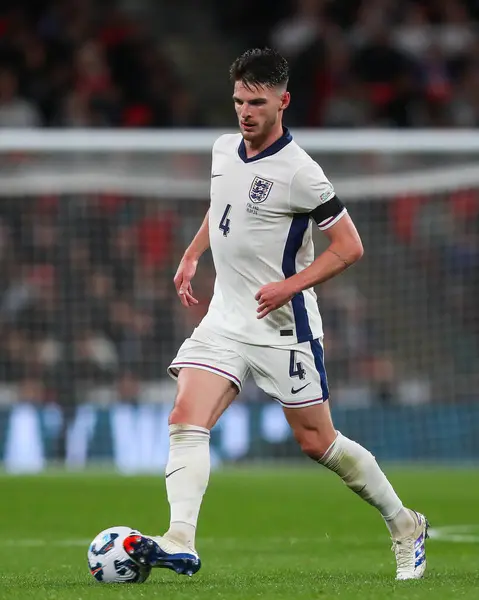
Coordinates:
345 246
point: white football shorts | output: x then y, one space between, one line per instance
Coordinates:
293 375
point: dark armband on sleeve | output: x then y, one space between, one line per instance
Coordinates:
325 214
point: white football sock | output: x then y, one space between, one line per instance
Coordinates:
359 470
187 475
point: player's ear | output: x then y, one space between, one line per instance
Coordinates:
285 100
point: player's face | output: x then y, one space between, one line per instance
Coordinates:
259 109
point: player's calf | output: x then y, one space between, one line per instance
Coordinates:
202 397
187 475
359 470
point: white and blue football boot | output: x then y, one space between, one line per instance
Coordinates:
411 551
162 552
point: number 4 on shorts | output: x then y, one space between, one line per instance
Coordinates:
295 368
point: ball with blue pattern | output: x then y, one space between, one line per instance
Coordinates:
108 561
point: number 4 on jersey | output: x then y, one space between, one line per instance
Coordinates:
225 222
296 369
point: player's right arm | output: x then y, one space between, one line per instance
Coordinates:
187 267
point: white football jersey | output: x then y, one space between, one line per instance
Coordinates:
260 231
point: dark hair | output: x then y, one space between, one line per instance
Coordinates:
260 66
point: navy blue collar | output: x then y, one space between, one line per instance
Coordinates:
276 146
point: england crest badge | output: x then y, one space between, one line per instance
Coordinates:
259 190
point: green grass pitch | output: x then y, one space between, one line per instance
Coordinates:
264 533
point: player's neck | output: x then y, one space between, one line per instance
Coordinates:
253 148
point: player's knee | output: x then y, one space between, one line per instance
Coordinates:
312 443
182 411
189 409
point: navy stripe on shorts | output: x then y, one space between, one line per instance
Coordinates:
318 353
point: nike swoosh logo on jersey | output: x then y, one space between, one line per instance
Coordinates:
293 391
175 471
216 175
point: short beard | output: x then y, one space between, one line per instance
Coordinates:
260 136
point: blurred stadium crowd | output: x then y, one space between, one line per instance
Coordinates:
110 266
386 63
110 260
372 62
84 64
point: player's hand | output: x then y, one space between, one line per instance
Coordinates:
185 273
272 296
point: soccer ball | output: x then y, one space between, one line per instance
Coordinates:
109 563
